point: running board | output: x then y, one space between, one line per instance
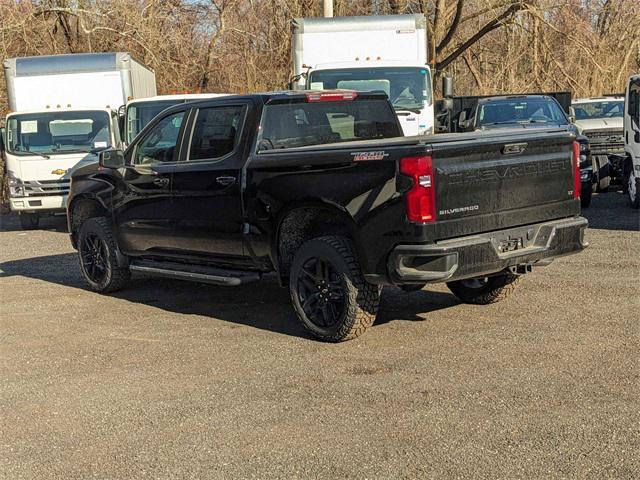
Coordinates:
195 273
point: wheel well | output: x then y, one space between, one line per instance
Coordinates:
303 224
80 211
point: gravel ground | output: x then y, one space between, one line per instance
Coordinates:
176 380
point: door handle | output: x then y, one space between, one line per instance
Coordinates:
225 181
161 182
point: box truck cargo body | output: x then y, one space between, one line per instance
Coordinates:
76 80
63 111
385 52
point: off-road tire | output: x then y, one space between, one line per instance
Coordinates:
360 298
29 221
115 277
496 288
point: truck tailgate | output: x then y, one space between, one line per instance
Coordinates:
493 180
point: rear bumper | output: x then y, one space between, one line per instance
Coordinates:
487 253
57 203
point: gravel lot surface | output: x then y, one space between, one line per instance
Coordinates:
169 379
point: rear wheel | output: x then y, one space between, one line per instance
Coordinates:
484 290
97 250
329 293
29 221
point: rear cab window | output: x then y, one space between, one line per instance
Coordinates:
303 124
216 132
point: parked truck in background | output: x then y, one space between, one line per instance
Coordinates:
528 111
321 188
600 120
385 52
63 111
139 112
631 169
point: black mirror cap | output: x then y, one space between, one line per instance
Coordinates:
447 86
111 158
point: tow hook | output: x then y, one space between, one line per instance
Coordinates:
521 269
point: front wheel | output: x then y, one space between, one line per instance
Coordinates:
486 290
329 293
97 249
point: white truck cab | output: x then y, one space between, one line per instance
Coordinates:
42 150
385 52
63 111
141 111
632 141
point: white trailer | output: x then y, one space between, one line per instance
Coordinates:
632 141
384 52
63 111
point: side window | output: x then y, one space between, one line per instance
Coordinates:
159 145
215 132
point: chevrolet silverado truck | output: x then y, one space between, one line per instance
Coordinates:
321 188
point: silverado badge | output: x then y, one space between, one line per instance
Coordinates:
59 171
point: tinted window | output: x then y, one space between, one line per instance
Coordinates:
538 110
159 145
215 132
303 124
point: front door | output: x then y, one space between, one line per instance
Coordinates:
144 207
207 185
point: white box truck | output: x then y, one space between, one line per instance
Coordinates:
384 52
632 141
63 110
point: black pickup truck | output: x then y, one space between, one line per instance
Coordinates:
320 188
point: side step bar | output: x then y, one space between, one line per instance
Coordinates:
214 276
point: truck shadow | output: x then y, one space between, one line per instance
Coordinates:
54 223
264 305
610 211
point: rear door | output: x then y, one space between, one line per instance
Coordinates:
143 207
497 180
207 183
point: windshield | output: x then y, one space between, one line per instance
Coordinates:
53 133
521 110
140 114
606 109
302 124
407 87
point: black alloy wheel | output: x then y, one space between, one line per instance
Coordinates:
322 292
93 255
328 290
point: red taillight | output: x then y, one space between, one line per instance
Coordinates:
421 199
330 96
577 186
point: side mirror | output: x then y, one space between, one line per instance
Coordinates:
111 158
463 122
636 136
447 86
